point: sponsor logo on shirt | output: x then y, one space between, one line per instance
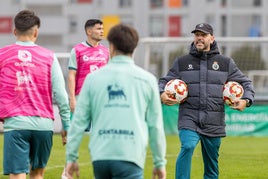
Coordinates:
25 57
190 67
116 96
93 68
215 65
124 134
116 132
24 81
93 57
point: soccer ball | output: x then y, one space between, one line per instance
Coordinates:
178 88
232 91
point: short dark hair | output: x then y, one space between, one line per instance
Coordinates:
92 23
124 37
25 20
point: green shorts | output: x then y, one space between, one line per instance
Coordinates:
26 148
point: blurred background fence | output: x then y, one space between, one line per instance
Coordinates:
157 54
250 54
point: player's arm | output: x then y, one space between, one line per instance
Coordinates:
71 88
235 74
172 74
157 140
71 79
81 119
60 96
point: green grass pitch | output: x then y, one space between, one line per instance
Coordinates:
240 158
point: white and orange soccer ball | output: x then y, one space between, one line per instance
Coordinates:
231 92
178 88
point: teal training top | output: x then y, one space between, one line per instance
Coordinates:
59 95
123 104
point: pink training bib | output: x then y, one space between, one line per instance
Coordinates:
88 59
25 81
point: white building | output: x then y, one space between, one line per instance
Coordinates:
62 21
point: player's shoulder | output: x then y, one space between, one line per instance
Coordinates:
83 44
10 46
142 73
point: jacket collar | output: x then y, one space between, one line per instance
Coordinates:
213 50
121 59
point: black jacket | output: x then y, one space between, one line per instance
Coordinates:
205 73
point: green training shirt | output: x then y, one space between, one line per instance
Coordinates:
122 102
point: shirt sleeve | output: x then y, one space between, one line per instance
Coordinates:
60 94
72 61
154 118
235 74
171 74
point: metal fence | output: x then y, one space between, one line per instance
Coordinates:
157 54
250 54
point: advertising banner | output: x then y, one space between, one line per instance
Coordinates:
170 115
252 121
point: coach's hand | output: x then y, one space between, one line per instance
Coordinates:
166 98
70 169
159 173
239 104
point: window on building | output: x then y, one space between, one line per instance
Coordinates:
46 9
50 40
127 20
210 18
72 23
125 3
15 1
223 3
177 3
256 19
185 2
156 3
84 1
80 1
257 2
100 3
223 26
255 27
156 26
